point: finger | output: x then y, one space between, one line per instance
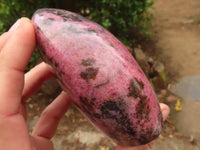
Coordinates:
19 47
14 57
34 79
23 111
3 39
50 117
40 143
165 110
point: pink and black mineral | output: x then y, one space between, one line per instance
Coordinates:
100 74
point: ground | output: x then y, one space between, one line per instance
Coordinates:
176 28
175 42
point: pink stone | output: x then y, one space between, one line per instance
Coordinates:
103 78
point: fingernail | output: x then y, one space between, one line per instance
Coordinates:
25 19
15 25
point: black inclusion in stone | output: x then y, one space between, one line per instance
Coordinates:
160 118
148 134
48 21
92 30
143 109
89 73
102 84
114 110
41 14
73 17
88 106
56 64
38 28
135 88
88 62
50 59
87 102
66 15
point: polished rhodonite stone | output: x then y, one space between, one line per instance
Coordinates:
100 75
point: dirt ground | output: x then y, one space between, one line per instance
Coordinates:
176 43
176 30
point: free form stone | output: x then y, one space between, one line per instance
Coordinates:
100 75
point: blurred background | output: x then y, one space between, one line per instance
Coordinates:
163 36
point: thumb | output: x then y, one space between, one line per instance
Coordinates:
19 46
14 55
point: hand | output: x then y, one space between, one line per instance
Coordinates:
16 48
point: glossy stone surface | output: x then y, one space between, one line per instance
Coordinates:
100 74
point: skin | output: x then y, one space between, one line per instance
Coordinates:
16 48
